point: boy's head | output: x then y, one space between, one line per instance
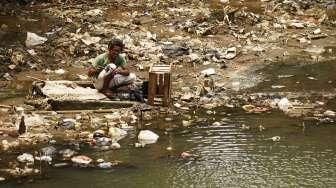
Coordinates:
115 47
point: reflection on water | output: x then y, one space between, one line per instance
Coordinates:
297 76
226 156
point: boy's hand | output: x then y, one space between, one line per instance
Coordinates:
92 72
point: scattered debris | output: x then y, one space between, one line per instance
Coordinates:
34 40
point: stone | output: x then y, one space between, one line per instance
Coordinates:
147 137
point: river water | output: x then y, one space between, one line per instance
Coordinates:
225 156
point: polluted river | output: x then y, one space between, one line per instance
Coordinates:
252 105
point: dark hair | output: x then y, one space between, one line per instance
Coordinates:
116 42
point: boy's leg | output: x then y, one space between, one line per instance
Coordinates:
119 80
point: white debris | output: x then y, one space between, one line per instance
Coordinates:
315 50
317 31
277 86
186 123
275 138
82 77
329 113
105 165
33 39
208 72
139 145
230 53
194 57
86 38
224 1
284 104
31 52
311 78
297 25
12 67
26 158
60 71
147 137
94 12
44 158
116 134
81 160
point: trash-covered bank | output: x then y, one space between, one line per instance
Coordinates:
218 50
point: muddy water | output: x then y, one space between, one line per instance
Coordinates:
14 28
227 156
298 76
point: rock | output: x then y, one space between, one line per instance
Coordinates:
115 145
33 40
81 160
26 158
147 137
